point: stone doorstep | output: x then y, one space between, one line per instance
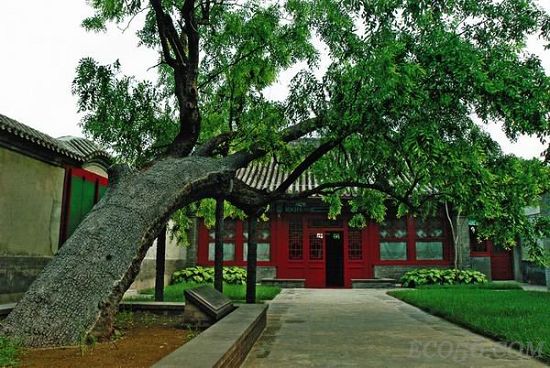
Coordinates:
381 283
283 280
285 283
5 309
367 281
224 344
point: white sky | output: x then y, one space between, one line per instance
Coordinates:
41 43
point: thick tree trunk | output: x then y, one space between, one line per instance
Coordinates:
251 260
78 292
218 246
160 266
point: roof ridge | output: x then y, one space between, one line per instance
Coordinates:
65 145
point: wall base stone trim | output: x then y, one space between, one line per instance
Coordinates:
17 273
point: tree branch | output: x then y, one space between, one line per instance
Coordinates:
161 18
192 33
306 164
244 157
124 29
209 147
168 37
185 65
249 198
216 73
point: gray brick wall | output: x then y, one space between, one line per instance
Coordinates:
461 226
16 275
482 264
191 251
266 272
395 272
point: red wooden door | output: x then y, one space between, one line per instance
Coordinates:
501 264
315 269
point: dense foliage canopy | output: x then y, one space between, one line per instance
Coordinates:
397 90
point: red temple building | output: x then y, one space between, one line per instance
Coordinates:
300 246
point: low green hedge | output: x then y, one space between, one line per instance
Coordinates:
198 274
441 276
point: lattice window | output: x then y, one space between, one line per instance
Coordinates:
295 239
229 240
263 240
394 228
393 239
229 230
315 247
430 236
429 228
263 231
355 249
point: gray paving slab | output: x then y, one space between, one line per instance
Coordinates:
367 328
529 287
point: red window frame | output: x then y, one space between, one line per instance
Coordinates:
396 239
228 224
316 246
240 242
260 226
355 245
411 247
295 239
441 238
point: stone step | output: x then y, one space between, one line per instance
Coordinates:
382 283
284 283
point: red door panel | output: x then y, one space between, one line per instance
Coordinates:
315 277
501 264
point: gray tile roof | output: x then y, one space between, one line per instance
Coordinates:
83 147
79 149
268 176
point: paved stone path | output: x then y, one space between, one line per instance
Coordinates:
367 328
528 287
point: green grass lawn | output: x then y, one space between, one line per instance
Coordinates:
8 353
237 293
515 316
501 285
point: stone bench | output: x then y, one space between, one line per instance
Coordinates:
225 344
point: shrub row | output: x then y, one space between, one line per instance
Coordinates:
198 274
437 276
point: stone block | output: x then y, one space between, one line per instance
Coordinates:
224 344
285 283
205 305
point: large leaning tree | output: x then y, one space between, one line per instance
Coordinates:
404 79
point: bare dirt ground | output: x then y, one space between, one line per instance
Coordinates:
143 339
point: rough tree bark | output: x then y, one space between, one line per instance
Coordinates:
78 292
80 289
218 246
160 266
